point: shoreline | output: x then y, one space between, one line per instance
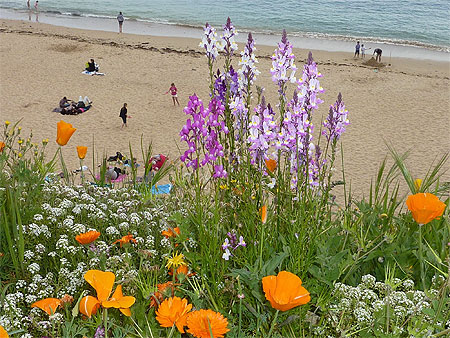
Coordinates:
146 28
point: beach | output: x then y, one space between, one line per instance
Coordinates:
405 104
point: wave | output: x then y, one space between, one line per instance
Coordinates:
312 35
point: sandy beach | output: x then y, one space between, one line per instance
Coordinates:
405 103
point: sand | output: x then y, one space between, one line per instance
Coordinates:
406 103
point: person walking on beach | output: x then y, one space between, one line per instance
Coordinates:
173 92
377 51
123 115
36 5
357 49
120 19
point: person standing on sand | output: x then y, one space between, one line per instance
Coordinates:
377 51
120 19
36 5
28 4
123 115
357 49
363 51
173 92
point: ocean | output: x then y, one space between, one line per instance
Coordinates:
404 22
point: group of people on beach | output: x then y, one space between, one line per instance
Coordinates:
360 47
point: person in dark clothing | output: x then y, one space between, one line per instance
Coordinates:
377 51
123 115
64 102
113 173
357 47
91 66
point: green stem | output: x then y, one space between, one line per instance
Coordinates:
273 324
422 276
172 330
105 321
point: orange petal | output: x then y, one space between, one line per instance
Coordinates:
102 282
48 305
89 306
81 150
3 333
263 211
126 312
64 132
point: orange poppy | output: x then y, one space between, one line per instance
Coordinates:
103 283
87 237
48 305
425 207
119 301
171 233
173 311
126 239
285 291
182 269
263 212
2 146
3 333
81 150
158 296
64 132
199 323
271 165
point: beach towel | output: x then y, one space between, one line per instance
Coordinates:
92 73
118 179
161 189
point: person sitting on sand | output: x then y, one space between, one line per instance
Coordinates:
173 92
83 103
92 66
114 173
64 102
377 51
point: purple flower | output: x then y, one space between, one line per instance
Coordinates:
336 120
248 72
100 332
225 81
209 42
283 66
228 44
240 113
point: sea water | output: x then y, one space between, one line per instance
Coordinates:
423 23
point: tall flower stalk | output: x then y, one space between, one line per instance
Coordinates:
209 42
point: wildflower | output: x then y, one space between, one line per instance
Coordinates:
248 72
7 123
125 239
418 184
103 283
158 296
20 155
209 42
81 150
425 207
263 212
173 311
20 141
228 44
285 291
201 322
171 233
227 254
336 120
3 333
223 186
87 237
283 63
67 299
100 332
241 242
48 305
64 132
175 261
45 141
271 164
2 146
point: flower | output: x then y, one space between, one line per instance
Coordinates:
202 321
336 121
173 311
103 283
87 237
48 305
158 296
417 183
285 291
64 132
3 333
271 164
226 255
125 239
81 150
119 301
2 146
171 232
7 123
175 261
425 207
67 299
263 212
